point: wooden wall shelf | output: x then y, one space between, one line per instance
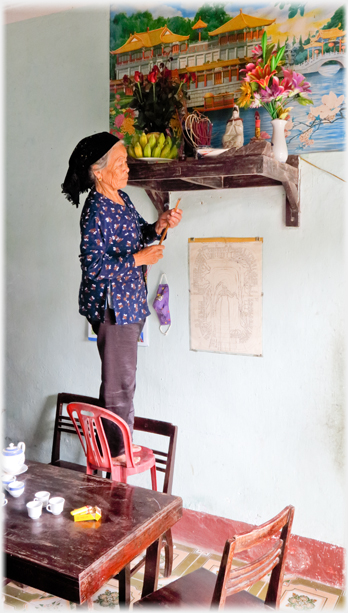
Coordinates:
249 166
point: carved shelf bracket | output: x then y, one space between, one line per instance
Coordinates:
159 199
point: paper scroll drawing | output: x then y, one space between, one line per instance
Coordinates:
226 295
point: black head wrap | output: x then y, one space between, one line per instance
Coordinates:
88 151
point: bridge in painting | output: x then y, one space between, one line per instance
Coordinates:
314 64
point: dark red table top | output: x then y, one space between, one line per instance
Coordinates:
72 559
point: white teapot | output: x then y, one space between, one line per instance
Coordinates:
13 457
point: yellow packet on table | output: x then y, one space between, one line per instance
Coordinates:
86 513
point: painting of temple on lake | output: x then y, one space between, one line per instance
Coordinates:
215 44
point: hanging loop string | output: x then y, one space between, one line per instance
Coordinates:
323 169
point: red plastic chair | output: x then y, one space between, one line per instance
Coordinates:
96 446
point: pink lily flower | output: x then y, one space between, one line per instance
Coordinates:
266 96
249 67
300 83
297 81
257 51
287 74
276 90
287 85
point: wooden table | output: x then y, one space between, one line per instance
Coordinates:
73 560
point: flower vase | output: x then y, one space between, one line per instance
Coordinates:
279 148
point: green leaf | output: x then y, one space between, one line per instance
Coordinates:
269 50
271 47
280 55
304 101
127 139
269 108
273 62
264 43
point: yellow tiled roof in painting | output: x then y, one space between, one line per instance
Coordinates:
213 65
328 34
151 38
199 24
241 22
312 45
332 34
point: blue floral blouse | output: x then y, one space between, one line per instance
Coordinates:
110 234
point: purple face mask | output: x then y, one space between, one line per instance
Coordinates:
161 306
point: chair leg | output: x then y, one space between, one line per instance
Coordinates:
152 563
168 553
153 478
124 577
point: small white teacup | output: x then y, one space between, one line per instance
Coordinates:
3 499
6 479
42 497
55 505
34 508
16 488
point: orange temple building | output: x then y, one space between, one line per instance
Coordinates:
216 62
334 37
199 25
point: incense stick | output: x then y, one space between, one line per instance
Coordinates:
167 226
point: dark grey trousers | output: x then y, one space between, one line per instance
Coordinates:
117 346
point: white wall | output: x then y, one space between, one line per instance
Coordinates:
255 434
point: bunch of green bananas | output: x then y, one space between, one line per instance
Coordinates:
153 145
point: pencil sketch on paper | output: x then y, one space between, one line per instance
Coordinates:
226 295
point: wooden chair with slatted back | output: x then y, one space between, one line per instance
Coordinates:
164 459
202 588
164 465
64 425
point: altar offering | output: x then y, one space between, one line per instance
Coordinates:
86 513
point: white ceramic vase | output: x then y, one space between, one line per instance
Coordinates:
279 148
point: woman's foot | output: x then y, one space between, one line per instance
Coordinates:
121 460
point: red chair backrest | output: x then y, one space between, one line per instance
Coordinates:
90 419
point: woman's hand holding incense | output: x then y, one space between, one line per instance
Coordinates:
171 217
149 255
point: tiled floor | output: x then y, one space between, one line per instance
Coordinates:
298 594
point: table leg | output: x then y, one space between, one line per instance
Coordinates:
152 563
124 577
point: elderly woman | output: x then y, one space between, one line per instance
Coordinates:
114 253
